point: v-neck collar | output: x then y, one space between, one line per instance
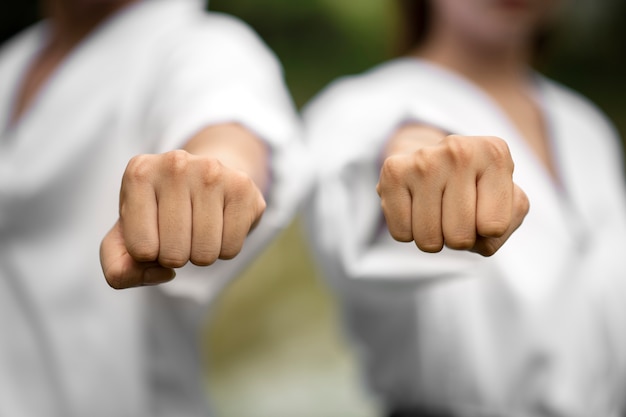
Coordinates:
112 30
38 40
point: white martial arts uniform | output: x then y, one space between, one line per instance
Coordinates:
536 330
143 82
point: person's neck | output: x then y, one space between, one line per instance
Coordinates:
489 66
72 20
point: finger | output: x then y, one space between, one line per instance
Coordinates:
206 230
427 212
240 214
495 191
396 206
121 270
138 211
395 200
458 212
427 184
487 246
521 206
175 223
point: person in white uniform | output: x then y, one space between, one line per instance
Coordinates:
188 111
447 147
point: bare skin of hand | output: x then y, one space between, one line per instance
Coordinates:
452 191
175 208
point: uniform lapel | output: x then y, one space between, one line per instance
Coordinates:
87 84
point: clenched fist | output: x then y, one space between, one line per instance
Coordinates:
174 208
457 192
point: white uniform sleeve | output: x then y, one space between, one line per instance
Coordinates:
220 71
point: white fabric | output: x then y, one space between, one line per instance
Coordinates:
536 330
145 81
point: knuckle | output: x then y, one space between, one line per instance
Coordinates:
261 206
230 250
173 259
498 152
203 256
210 172
459 149
487 247
242 184
493 228
429 246
139 168
384 205
143 250
124 208
392 171
522 204
257 212
398 223
423 163
431 242
116 284
176 162
400 235
118 278
115 280
461 241
244 194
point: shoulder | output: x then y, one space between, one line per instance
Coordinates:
585 123
222 27
575 107
210 47
220 34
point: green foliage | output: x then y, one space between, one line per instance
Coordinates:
318 40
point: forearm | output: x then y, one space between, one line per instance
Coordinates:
412 137
235 147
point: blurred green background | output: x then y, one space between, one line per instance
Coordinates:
273 341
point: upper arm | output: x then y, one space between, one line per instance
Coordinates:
218 71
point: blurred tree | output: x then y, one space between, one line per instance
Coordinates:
588 54
318 40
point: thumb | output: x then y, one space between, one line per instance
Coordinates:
121 270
